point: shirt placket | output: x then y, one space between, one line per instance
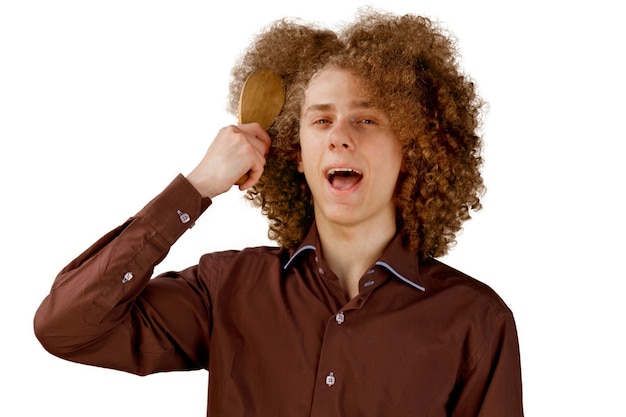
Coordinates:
327 398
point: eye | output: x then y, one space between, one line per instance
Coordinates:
365 121
321 121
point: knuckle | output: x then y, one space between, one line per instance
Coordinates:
229 129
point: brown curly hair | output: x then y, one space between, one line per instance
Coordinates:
411 66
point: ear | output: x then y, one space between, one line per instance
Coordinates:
300 166
403 169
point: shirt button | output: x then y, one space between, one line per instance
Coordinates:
127 277
330 379
340 318
184 217
321 271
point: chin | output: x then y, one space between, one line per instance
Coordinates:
343 216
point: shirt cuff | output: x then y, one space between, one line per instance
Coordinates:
175 209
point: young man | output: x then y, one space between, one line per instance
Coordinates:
366 176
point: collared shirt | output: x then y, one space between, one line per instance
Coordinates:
275 329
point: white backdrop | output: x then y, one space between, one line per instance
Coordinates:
103 103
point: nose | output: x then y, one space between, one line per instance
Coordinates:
340 136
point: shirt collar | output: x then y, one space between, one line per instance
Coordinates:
397 258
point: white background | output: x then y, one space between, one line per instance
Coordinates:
103 103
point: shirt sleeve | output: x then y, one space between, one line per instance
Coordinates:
105 310
490 385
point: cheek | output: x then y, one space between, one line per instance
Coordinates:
397 156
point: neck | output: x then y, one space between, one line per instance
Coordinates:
350 250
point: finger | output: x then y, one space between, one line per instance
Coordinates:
259 142
252 177
259 138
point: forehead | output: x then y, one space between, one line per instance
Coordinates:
334 85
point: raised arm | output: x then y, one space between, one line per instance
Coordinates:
104 309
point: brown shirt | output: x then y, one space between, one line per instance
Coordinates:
275 330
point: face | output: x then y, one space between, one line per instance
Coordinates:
349 155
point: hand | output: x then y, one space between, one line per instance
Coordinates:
235 151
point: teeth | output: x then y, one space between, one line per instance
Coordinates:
334 171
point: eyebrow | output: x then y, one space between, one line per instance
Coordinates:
362 104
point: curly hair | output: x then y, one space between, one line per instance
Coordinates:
411 66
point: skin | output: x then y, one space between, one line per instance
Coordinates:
235 151
341 130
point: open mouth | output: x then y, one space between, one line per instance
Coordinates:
343 178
